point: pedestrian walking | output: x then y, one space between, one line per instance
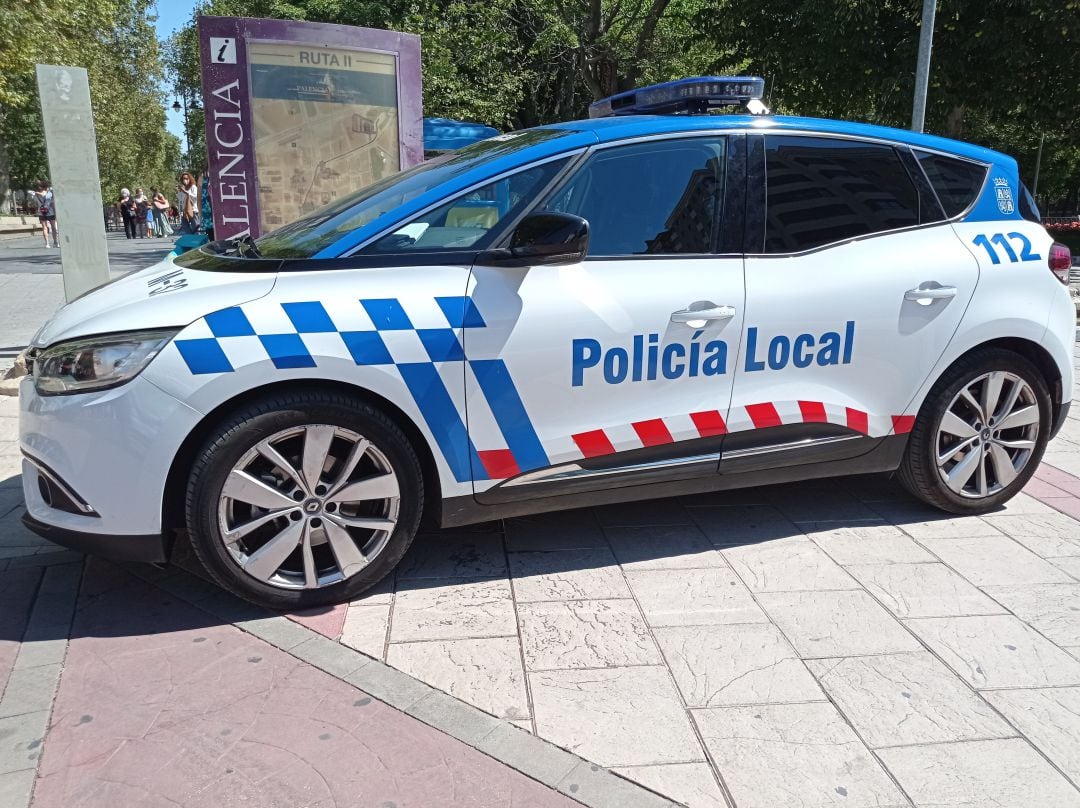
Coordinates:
127 212
187 202
46 202
142 209
159 206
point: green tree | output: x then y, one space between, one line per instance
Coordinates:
115 41
1002 72
507 63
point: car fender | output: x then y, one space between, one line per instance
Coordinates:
315 328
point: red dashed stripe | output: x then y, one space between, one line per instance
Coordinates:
763 415
499 463
653 432
594 443
858 420
902 424
709 423
813 412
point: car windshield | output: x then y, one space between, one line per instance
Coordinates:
307 236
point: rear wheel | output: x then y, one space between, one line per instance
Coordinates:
304 499
980 434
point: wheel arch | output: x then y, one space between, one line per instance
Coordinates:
1030 350
172 516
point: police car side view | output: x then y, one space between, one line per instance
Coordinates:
637 305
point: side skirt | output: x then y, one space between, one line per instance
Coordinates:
885 456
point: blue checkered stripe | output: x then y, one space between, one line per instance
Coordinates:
288 350
369 347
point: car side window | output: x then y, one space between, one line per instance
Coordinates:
823 190
468 221
957 182
660 197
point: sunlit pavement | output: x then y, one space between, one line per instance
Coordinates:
32 284
813 644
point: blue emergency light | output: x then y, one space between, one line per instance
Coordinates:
696 95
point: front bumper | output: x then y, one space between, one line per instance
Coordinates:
151 549
110 454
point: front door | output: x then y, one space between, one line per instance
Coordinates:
617 369
853 297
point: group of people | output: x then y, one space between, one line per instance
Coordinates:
148 216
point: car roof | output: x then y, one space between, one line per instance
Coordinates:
582 134
628 126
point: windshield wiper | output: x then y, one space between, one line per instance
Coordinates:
245 247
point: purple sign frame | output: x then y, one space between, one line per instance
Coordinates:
234 186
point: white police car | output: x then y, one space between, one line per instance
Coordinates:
626 307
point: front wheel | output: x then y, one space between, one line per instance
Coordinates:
304 499
980 434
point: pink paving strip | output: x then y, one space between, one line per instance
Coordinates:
327 620
1059 479
160 704
1056 488
17 590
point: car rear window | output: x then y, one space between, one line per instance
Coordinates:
825 190
1028 208
957 182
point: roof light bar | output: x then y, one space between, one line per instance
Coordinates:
695 95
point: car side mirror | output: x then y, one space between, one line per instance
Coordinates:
543 237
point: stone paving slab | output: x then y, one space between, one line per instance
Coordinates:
824 643
161 704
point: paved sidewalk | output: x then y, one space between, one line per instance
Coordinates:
160 703
32 284
825 643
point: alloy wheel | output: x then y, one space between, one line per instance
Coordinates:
308 507
987 435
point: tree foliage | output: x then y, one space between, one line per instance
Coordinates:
116 42
1003 72
507 63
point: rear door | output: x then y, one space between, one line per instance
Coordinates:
854 286
616 370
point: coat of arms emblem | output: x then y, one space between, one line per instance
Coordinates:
1004 195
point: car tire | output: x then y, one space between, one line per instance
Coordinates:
965 482
328 473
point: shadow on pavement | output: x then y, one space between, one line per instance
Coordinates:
542 545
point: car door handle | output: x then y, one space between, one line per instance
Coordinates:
692 315
928 292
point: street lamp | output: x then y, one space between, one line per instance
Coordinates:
176 107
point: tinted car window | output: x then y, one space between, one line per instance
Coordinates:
1028 209
824 190
957 182
467 221
307 236
656 198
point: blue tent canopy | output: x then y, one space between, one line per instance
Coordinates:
443 134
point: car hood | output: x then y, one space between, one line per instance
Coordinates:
159 296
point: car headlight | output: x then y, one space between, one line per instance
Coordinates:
97 363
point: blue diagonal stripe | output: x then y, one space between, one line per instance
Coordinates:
387 313
505 403
443 420
203 356
441 344
230 322
287 351
309 317
460 312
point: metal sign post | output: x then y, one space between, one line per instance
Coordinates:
922 68
68 123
